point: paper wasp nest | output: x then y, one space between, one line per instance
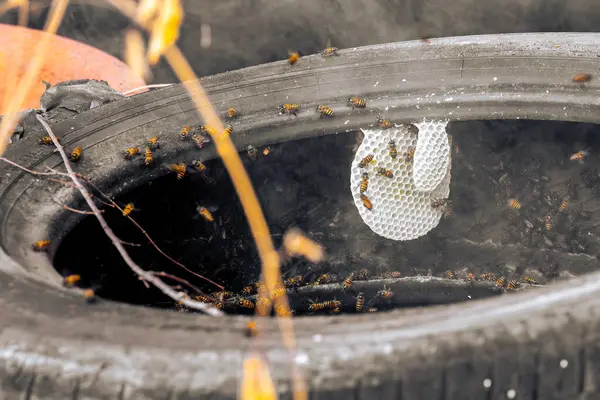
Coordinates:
402 208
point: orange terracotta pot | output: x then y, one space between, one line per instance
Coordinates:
66 60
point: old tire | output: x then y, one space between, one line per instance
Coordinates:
541 344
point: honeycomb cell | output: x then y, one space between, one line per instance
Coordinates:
402 211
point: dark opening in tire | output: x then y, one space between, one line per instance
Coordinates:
304 183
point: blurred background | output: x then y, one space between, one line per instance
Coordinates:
250 32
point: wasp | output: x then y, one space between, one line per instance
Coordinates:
330 51
289 108
530 280
324 111
314 307
360 302
348 281
580 155
564 205
294 57
130 152
222 295
89 295
278 292
385 293
248 290
148 159
392 148
372 309
356 102
180 169
337 310
364 183
184 134
437 203
295 281
512 285
207 129
548 223
514 204
384 123
366 202
40 245
244 303
153 143
266 151
76 154
251 329
409 154
321 279
202 299
447 210
228 130
450 274
385 172
487 277
329 304
283 311
199 165
500 282
206 214
71 280
582 78
231 113
128 209
46 140
365 161
199 140
470 277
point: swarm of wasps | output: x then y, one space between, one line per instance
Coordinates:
256 297
369 160
500 282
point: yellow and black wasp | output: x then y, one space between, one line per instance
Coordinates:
392 148
289 108
184 134
356 102
384 123
76 154
180 169
330 51
153 143
130 152
325 111
40 245
148 158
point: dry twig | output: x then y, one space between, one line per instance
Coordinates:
147 276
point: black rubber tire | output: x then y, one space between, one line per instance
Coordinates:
52 345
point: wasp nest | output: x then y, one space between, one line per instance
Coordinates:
408 175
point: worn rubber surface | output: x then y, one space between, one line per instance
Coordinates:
543 344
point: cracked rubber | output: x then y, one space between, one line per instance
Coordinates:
53 345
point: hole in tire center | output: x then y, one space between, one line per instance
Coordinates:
305 184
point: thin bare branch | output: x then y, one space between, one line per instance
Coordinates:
182 281
147 276
113 204
66 207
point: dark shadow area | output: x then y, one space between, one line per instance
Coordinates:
305 184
